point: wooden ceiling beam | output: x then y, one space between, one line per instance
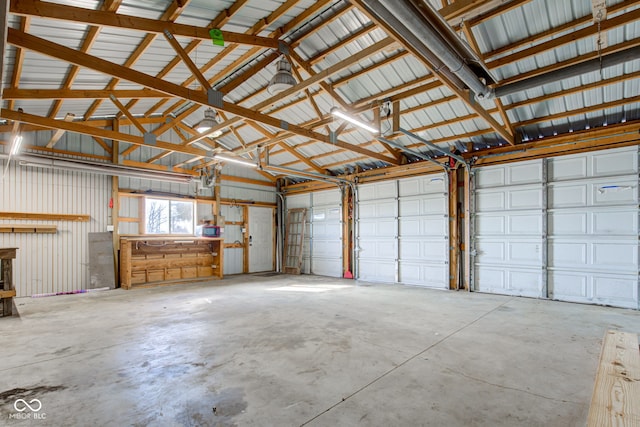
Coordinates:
128 22
571 37
17 93
127 113
59 132
95 131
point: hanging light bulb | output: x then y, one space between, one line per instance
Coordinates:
209 121
282 79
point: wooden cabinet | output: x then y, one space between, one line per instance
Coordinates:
149 260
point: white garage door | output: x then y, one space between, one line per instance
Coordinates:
423 253
403 231
593 227
326 233
377 231
509 225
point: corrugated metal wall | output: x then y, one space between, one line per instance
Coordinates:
53 262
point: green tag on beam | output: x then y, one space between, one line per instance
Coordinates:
216 37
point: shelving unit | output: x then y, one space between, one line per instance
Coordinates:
7 292
156 260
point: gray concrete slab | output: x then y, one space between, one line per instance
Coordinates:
298 350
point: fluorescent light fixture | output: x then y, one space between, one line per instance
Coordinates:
339 113
238 160
15 147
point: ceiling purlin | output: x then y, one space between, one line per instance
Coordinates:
25 22
172 12
473 43
552 33
463 95
256 29
89 39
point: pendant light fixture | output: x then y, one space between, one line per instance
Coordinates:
210 120
282 79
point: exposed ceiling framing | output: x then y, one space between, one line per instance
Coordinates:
142 73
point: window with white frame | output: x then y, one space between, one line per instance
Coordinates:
164 216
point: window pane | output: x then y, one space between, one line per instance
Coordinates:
157 215
181 217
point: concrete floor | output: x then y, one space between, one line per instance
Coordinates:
301 350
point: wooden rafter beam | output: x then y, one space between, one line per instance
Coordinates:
59 132
18 93
110 19
187 60
127 113
465 96
95 131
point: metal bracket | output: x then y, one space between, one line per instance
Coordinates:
150 138
215 98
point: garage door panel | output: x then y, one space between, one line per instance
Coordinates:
429 184
326 230
494 200
622 162
378 248
325 266
490 224
299 201
525 253
326 248
491 177
423 226
568 223
525 224
601 192
378 190
526 198
377 209
568 168
617 255
372 228
423 274
509 253
521 173
429 205
491 252
521 282
423 249
608 223
599 288
568 254
377 270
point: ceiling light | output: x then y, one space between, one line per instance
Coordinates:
15 147
232 159
209 121
282 79
339 113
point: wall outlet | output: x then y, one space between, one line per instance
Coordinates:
109 227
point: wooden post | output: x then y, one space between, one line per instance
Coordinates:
6 259
125 264
245 239
454 238
467 230
115 197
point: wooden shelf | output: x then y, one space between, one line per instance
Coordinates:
145 260
45 216
28 228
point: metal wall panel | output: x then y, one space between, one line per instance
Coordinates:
509 224
233 257
48 263
593 227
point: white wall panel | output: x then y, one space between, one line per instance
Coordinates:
48 263
233 257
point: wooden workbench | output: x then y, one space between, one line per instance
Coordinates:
154 260
7 291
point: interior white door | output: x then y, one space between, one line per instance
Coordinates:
261 238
